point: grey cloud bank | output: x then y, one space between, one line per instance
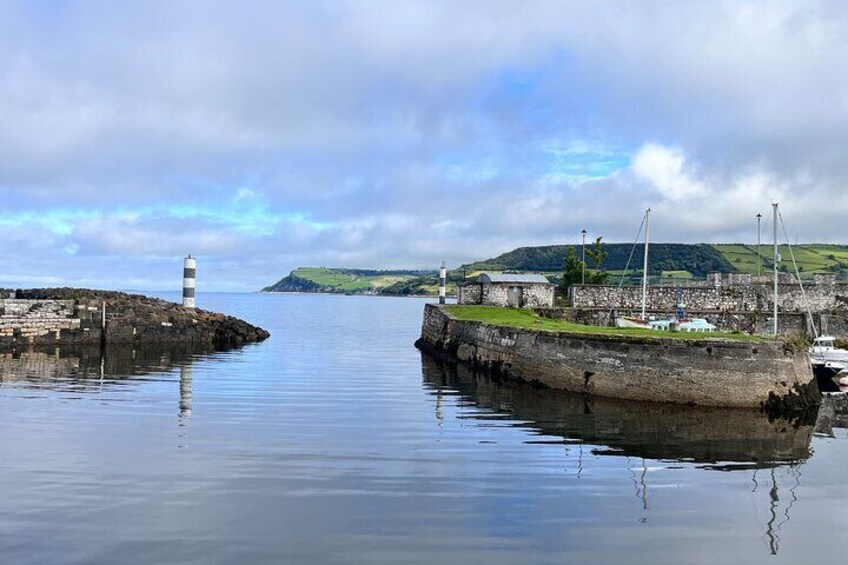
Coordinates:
266 135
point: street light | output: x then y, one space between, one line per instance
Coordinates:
584 256
759 239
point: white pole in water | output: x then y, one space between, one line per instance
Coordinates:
645 265
443 283
189 281
776 261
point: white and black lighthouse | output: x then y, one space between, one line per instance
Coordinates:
189 281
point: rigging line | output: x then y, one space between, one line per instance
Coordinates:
798 275
629 259
632 252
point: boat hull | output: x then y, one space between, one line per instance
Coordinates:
634 323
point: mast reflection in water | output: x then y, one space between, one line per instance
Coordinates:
659 435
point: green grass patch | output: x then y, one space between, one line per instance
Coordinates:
811 258
347 282
527 319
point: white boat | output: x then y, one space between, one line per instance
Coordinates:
829 362
684 325
633 323
681 322
824 350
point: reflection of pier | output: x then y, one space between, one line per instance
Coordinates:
833 416
86 369
725 438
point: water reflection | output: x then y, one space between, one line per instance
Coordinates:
719 438
89 369
185 390
833 417
772 450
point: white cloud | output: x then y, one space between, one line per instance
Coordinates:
401 134
663 168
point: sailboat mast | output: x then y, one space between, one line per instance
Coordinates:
645 265
776 261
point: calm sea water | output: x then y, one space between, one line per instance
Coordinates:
337 442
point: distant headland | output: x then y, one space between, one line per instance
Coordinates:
668 260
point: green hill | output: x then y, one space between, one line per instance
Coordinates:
698 259
359 281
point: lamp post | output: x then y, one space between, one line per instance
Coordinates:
584 257
759 242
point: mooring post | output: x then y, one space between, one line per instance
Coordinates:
189 281
443 283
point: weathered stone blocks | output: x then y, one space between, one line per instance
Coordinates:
711 372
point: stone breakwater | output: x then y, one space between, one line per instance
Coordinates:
709 372
74 317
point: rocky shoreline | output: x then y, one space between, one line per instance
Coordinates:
75 317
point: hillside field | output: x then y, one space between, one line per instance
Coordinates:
323 279
811 259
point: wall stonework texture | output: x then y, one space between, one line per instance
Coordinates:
758 323
731 297
497 294
711 372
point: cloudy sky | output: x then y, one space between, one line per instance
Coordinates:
261 136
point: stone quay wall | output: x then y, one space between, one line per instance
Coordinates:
710 372
735 298
48 321
758 323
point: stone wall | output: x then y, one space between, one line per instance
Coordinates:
45 321
470 293
497 294
736 298
46 317
759 323
711 372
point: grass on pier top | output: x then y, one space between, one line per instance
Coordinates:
527 319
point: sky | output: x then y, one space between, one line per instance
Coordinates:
262 136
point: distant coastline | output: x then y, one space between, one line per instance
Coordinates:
669 261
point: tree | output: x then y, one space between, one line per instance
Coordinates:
572 270
597 254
